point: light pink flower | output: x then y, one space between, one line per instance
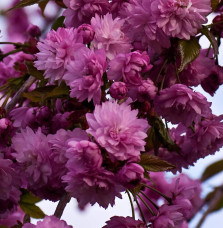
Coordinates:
180 18
180 104
57 51
109 35
117 129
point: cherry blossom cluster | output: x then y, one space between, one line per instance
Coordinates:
93 123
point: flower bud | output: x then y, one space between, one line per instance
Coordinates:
87 33
118 90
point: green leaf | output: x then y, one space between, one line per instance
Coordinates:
212 170
33 71
154 164
59 91
24 3
205 31
29 198
214 4
188 50
33 210
58 23
47 92
27 204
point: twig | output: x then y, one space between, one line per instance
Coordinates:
160 193
213 203
132 207
65 199
17 96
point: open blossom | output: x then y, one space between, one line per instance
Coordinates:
109 35
57 51
117 128
186 193
130 67
180 18
83 156
122 222
207 138
168 216
94 186
140 25
180 104
48 222
81 11
84 76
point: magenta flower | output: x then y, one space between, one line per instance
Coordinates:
9 188
147 90
168 216
118 90
213 80
87 32
83 156
180 104
117 129
186 193
130 67
130 175
94 186
207 138
84 76
109 35
141 27
48 222
13 218
122 222
81 11
57 51
180 18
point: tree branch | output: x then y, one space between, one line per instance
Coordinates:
61 205
212 204
17 96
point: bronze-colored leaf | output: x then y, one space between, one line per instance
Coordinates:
154 164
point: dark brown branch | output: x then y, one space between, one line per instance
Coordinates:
65 199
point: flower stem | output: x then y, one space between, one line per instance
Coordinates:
147 206
160 193
149 200
132 207
140 210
